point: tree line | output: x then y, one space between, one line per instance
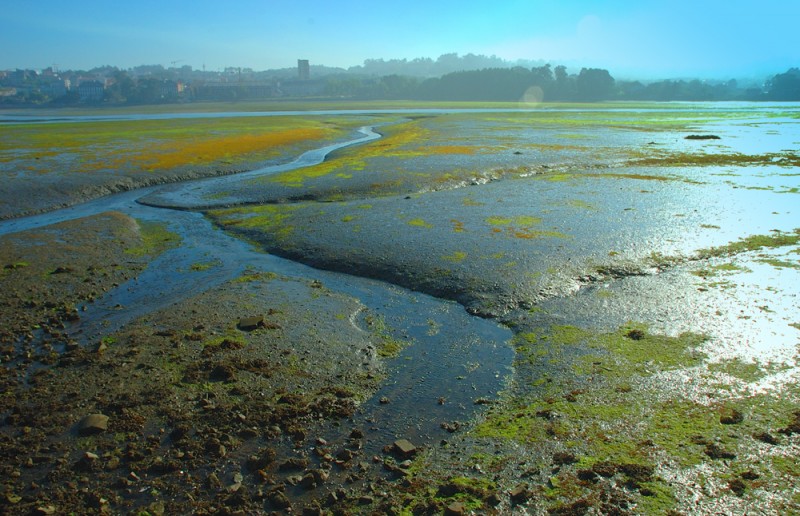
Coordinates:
536 84
555 84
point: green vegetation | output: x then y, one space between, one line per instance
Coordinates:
615 419
155 239
153 145
387 345
752 243
199 267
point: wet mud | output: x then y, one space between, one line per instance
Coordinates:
647 281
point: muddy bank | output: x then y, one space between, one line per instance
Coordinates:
514 243
48 274
24 198
211 403
65 162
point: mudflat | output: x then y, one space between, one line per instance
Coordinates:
643 263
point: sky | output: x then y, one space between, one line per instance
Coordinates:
630 38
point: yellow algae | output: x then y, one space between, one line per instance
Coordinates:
419 223
519 220
403 141
213 149
456 257
155 144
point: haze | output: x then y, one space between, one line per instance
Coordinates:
641 39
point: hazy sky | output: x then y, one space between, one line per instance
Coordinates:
631 38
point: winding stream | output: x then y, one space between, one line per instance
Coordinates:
432 367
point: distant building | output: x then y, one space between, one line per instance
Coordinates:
303 70
91 91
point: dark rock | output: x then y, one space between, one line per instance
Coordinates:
737 486
715 452
294 464
702 137
635 334
731 417
451 427
93 424
279 500
223 373
766 437
519 494
605 469
308 481
637 472
345 455
750 475
794 425
493 500
547 414
564 458
261 460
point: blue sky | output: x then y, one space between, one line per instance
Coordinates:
630 38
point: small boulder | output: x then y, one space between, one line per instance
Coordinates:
93 424
456 509
519 494
251 323
405 448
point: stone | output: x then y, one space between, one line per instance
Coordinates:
251 323
279 500
93 424
519 494
455 509
405 448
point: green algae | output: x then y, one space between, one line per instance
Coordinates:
386 344
155 239
715 270
618 418
681 159
738 368
204 266
778 263
752 243
254 276
269 218
577 203
618 421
